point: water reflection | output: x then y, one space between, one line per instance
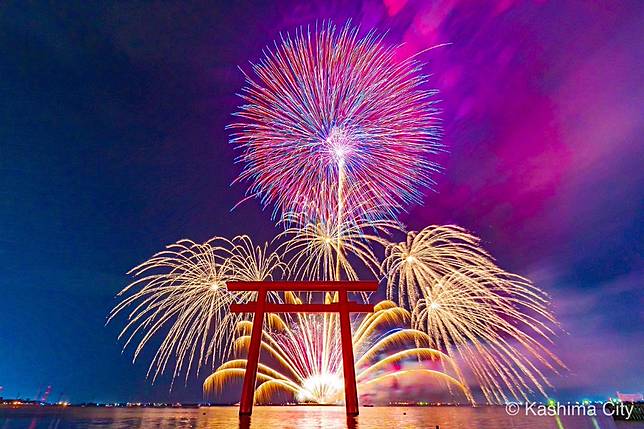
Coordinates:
291 417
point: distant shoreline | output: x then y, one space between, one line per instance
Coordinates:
207 405
175 406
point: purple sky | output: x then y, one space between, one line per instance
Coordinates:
113 145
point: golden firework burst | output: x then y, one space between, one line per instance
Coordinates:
495 322
180 294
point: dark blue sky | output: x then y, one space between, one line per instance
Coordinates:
112 139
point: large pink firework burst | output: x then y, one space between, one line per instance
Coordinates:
334 123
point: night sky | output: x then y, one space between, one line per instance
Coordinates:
113 145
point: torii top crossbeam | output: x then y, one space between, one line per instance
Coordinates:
312 286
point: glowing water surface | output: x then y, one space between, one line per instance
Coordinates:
292 417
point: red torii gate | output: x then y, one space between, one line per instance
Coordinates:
261 307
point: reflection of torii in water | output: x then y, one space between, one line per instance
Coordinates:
343 306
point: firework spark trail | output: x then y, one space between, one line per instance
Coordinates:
327 113
313 374
181 293
495 321
426 256
320 250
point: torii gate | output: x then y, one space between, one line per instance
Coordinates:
261 307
